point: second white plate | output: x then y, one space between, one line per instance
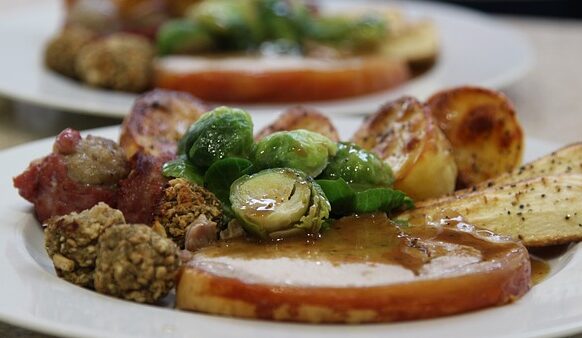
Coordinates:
476 49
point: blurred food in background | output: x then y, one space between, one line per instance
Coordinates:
240 51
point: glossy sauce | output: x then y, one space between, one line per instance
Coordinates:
359 250
540 269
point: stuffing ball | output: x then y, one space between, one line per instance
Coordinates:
136 263
71 241
120 61
182 204
62 50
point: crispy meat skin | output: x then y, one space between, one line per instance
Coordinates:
141 192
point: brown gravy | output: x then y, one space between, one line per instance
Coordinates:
540 269
375 239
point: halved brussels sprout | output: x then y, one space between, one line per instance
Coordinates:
358 167
222 132
298 149
280 202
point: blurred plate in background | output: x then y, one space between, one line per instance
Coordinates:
476 49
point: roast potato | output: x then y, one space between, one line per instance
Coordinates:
157 121
406 137
300 117
482 127
540 211
562 161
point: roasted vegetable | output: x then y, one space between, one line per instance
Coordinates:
276 203
222 132
298 149
417 43
364 33
358 167
566 160
300 117
407 138
222 173
233 23
539 212
157 121
345 200
182 168
250 25
482 127
183 37
283 20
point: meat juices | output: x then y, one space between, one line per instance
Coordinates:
78 174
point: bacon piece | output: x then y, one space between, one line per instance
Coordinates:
45 184
141 192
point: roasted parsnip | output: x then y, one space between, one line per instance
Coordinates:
482 127
539 212
417 43
301 117
157 121
566 160
406 137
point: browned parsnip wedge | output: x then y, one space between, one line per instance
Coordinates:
481 125
300 117
566 160
157 121
418 43
404 135
541 211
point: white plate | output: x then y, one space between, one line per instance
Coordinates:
32 296
476 49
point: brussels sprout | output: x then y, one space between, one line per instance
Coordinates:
358 167
280 202
298 149
236 22
362 33
283 19
183 37
222 132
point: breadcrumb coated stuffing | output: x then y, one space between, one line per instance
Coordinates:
182 203
71 241
120 61
136 263
62 50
